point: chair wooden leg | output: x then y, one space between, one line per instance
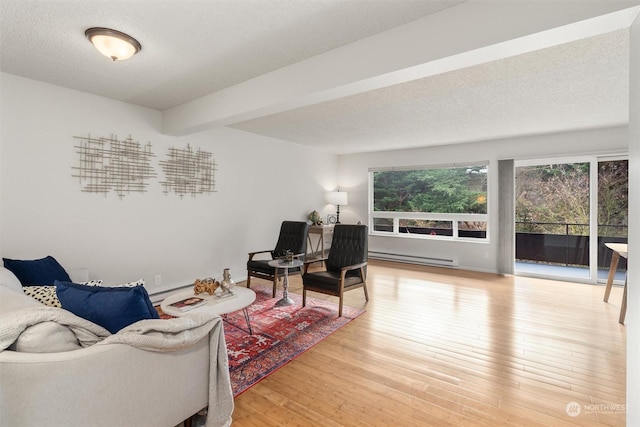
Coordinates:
366 292
340 307
304 297
248 280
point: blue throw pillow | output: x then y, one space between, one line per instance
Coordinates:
43 271
111 308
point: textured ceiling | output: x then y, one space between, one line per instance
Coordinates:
578 85
190 48
193 48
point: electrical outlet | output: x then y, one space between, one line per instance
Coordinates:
158 279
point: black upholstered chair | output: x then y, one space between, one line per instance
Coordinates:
346 265
293 237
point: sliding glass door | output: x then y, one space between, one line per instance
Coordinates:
559 206
613 208
553 219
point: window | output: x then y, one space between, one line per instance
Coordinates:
444 202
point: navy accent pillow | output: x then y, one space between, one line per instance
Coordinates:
43 271
111 308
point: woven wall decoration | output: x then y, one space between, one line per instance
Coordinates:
188 172
110 164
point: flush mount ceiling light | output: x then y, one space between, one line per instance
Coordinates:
113 44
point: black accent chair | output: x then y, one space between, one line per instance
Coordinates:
293 237
346 265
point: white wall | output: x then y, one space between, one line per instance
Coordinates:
353 177
633 297
43 211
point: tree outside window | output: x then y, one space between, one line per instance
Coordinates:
439 201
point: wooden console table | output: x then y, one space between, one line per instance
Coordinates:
321 248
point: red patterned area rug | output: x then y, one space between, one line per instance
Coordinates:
279 334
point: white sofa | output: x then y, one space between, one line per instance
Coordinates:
100 385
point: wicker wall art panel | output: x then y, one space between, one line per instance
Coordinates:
111 164
188 172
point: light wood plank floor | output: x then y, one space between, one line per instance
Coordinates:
447 347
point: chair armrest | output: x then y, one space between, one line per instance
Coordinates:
353 267
314 260
345 269
308 262
301 254
252 254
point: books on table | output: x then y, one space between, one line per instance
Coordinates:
188 303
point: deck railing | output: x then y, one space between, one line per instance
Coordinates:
565 243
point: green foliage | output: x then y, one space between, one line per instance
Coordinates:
447 190
613 197
549 197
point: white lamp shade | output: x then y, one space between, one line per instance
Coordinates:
337 198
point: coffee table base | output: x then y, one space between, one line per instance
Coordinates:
246 318
284 302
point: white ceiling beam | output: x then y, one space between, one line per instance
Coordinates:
469 34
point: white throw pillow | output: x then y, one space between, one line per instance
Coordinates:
9 280
12 301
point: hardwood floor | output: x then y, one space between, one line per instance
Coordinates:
448 347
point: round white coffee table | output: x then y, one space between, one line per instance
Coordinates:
278 263
240 300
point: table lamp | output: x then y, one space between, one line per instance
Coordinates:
337 198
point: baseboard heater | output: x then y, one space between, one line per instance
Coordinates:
414 259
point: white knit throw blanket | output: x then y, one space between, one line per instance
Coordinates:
153 335
181 332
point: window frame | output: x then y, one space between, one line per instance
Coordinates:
454 218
